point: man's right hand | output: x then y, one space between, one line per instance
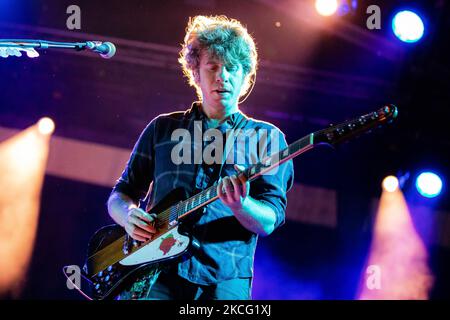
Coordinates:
140 225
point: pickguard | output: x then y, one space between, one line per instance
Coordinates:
171 244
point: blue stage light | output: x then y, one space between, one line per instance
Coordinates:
429 184
408 26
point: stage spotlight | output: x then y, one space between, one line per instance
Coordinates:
390 183
46 126
408 26
23 160
397 265
326 7
429 184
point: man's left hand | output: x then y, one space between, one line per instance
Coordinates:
233 191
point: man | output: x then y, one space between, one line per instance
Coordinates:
219 58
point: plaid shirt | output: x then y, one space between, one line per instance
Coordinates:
226 248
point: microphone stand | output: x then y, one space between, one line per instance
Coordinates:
41 44
106 50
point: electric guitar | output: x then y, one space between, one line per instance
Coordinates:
114 258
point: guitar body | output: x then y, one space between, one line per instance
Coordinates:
114 259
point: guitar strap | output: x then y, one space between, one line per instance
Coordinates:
229 145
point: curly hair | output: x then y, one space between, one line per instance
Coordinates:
223 38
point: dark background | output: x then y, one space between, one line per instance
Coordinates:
309 77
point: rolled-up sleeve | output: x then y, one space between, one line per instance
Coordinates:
138 173
271 188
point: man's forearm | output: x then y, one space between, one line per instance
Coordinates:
118 206
255 216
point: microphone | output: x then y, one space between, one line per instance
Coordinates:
106 49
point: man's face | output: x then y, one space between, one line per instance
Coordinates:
220 84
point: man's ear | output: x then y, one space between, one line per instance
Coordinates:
196 75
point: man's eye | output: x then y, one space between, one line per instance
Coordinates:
232 68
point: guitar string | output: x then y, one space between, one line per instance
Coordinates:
188 204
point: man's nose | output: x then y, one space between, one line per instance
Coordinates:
222 74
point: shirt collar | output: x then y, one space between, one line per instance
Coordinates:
197 114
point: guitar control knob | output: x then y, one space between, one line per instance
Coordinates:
110 268
107 278
100 274
97 286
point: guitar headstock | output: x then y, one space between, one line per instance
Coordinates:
349 129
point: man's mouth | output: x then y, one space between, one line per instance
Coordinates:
222 91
